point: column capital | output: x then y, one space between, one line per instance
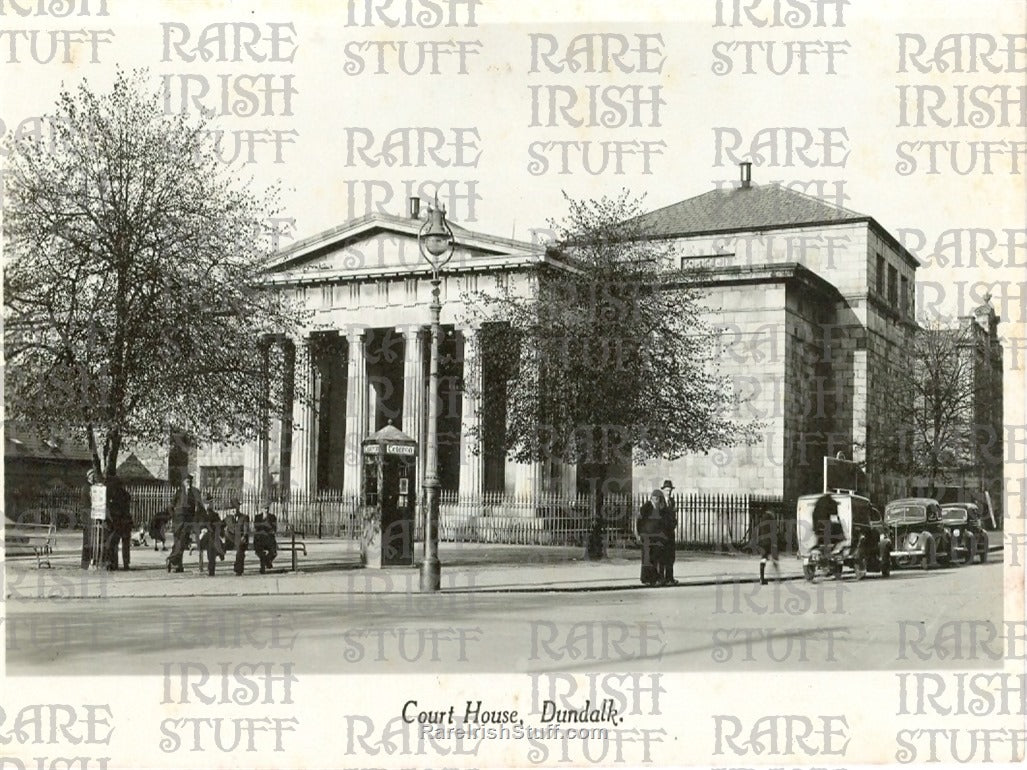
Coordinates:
468 327
356 334
411 330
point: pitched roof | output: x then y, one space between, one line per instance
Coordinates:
759 207
132 469
22 442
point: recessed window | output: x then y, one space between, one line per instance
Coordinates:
880 276
893 287
905 295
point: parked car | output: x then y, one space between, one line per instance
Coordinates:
917 534
963 521
841 530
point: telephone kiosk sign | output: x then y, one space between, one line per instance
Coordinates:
387 498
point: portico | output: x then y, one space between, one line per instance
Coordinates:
363 356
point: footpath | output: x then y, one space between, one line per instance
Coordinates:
333 567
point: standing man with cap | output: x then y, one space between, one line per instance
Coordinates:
670 524
187 508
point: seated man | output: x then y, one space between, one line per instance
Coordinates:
265 530
210 541
236 528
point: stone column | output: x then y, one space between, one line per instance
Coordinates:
285 445
356 410
414 393
304 424
262 478
470 461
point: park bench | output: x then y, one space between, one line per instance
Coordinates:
291 540
41 538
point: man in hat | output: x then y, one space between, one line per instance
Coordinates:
186 511
670 524
119 522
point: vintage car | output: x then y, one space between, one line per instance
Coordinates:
917 534
841 530
963 521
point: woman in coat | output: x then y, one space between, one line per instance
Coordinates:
652 534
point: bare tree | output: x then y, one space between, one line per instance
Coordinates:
609 358
132 290
929 402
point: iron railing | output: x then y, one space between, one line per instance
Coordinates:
717 521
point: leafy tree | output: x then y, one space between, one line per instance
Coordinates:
608 358
929 401
131 291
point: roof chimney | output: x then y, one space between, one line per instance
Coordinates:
746 168
415 207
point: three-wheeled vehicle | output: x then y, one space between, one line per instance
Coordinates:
841 530
969 538
917 533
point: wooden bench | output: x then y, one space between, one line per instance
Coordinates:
41 538
287 541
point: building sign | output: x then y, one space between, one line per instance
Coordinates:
398 449
372 449
98 502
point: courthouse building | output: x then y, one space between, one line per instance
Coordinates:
811 299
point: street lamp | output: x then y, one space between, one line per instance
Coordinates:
435 240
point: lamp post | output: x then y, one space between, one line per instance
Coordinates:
435 240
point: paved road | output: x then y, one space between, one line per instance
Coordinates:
790 625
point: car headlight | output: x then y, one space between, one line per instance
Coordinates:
913 539
955 533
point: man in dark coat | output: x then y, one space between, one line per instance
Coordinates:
669 517
237 535
119 522
186 512
210 541
652 536
265 543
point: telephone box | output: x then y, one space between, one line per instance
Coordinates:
389 463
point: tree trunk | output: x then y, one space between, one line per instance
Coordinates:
112 446
595 545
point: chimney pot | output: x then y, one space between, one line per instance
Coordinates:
746 169
415 207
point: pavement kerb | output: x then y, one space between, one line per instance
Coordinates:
290 577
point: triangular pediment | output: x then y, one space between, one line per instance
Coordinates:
382 244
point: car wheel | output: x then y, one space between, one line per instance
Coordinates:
836 571
930 556
951 552
984 552
971 549
809 572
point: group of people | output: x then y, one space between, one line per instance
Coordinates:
657 521
194 522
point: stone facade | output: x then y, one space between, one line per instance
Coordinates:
812 303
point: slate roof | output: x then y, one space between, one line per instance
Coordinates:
759 207
27 443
